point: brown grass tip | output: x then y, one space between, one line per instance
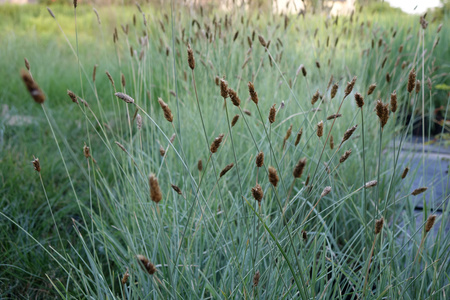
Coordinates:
334 90
146 264
33 87
272 114
359 100
370 184
223 88
167 112
299 136
124 97
110 78
162 152
394 101
234 97
155 191
419 191
139 121
331 142
334 116
379 225
36 164
86 151
411 80
125 277
226 169
345 156
315 97
348 133
262 41
405 172
51 13
260 159
304 235
298 170
350 86
256 278
216 143
273 176
417 86
371 88
430 222
302 67
253 94
72 96
382 112
257 193
200 165
325 191
320 129
234 120
176 189
27 64
191 60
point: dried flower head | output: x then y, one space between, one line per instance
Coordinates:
302 67
226 169
162 152
139 121
110 78
411 80
299 136
124 97
155 191
394 101
379 225
273 176
146 264
417 86
94 72
257 193
334 90
27 64
359 100
200 165
36 164
247 112
388 77
216 143
260 159
253 94
371 88
121 147
382 112
345 156
125 277
72 96
350 86
223 88
423 22
315 97
304 235
348 134
234 120
331 142
33 87
419 191
430 222
405 172
86 151
370 184
334 116
191 60
234 97
256 279
176 189
320 129
262 41
272 114
325 191
51 13
298 170
167 112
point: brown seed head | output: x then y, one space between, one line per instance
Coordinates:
382 112
110 78
234 120
394 102
299 136
405 172
167 112
260 159
123 81
288 134
234 97
253 94
304 235
348 133
125 277
388 77
331 142
307 180
350 86
379 225
226 169
124 97
359 100
334 90
176 189
139 121
262 41
155 191
86 151
35 92
162 152
370 184
191 60
334 116
298 170
330 82
302 67
72 96
419 191
325 191
146 264
36 164
430 222
216 143
75 3
51 13
371 88
423 22
223 88
417 86
257 193
27 64
318 65
94 72
345 156
315 97
121 147
320 129
272 114
411 80
247 112
273 176
200 165
256 278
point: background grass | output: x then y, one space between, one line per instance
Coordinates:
103 213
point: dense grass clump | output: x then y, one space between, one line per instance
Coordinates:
184 152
